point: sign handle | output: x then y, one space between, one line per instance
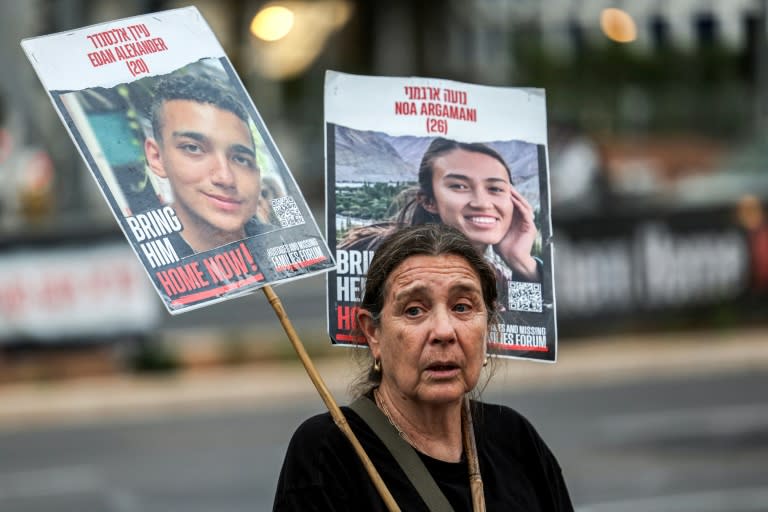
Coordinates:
470 448
330 403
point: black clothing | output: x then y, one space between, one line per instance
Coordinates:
322 472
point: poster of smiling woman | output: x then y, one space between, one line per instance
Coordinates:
181 155
405 151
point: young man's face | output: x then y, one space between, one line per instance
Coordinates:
208 157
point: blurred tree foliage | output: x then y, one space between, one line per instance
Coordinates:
371 201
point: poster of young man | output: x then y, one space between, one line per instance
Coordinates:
405 151
181 155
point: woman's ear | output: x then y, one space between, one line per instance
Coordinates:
368 327
427 203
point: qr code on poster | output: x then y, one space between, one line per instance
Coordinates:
524 296
287 212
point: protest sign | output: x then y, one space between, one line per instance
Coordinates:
403 151
181 155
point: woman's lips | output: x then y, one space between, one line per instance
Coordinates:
443 370
482 221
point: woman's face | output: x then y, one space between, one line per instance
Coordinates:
473 194
432 332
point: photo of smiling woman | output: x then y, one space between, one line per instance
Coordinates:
468 186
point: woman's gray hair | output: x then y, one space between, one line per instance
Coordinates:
420 240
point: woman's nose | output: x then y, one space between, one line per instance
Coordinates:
442 329
480 199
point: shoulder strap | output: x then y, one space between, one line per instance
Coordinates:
403 453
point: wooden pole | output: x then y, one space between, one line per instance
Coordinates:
475 479
325 394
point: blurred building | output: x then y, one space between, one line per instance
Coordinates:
682 24
657 115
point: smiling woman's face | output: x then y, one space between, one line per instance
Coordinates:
432 331
472 193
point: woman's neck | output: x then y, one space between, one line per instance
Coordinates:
434 430
480 248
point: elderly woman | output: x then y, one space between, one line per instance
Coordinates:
429 304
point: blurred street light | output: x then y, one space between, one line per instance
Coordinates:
618 25
272 23
290 35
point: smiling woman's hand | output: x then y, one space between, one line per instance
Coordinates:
516 245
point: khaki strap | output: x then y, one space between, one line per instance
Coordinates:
404 454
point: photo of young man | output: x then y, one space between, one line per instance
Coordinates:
202 144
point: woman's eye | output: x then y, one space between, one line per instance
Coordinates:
462 308
413 311
457 186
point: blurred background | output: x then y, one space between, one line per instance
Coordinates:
658 149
